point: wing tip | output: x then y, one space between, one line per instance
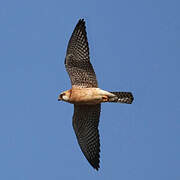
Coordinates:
95 165
81 23
81 20
95 162
81 26
97 168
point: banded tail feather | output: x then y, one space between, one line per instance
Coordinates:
122 97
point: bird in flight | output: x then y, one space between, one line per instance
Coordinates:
86 95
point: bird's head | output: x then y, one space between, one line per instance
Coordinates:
64 96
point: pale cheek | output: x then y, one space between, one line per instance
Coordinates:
65 98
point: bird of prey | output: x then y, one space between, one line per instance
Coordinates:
85 94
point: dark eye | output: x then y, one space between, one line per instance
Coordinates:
61 95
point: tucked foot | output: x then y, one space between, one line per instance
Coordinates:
105 98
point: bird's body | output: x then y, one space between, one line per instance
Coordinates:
86 95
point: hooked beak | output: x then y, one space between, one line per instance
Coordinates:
59 98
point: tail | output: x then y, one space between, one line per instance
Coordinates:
122 97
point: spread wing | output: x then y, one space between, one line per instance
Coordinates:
85 124
77 61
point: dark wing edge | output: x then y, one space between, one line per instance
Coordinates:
85 124
77 61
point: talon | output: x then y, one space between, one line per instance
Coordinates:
105 99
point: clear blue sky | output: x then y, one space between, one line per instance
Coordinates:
134 46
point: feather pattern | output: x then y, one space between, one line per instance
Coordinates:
85 124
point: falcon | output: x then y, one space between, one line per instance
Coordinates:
86 95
